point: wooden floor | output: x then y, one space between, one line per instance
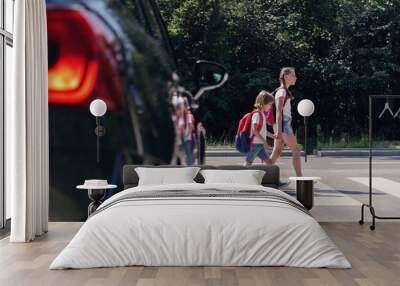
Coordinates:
375 257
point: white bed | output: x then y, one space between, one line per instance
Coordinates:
206 230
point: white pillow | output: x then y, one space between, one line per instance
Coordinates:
248 177
163 176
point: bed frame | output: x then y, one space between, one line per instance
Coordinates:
271 178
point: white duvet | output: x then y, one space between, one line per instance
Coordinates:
200 231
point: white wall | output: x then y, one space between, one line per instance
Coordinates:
8 70
9 27
9 12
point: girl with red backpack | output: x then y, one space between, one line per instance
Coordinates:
283 119
258 131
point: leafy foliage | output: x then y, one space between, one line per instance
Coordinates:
343 50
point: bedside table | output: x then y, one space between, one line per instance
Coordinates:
305 190
96 194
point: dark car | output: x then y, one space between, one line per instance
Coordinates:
118 51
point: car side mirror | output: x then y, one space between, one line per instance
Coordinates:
209 75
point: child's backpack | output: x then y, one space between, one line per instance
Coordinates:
192 119
270 114
243 140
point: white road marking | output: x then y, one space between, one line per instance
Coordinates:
381 184
330 198
366 163
334 198
258 164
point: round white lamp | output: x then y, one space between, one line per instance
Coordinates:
98 108
306 109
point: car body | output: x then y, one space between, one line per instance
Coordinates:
119 52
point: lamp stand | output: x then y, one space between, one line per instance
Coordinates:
99 131
305 138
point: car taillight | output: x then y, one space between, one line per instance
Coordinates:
84 59
73 65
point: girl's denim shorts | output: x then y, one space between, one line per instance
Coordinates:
286 125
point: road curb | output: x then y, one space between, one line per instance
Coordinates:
234 153
359 152
329 152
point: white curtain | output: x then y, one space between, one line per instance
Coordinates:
27 167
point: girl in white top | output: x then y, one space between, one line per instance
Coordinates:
282 128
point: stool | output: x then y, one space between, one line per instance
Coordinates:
305 190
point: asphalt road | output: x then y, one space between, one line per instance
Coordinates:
344 184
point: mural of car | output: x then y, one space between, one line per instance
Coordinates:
120 52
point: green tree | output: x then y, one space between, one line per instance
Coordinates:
343 50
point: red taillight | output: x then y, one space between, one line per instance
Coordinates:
73 64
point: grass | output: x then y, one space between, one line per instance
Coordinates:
356 142
225 143
222 143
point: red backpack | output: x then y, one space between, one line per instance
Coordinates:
270 114
243 140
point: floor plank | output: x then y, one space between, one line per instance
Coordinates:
375 257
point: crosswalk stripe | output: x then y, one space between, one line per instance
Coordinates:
332 199
366 163
381 184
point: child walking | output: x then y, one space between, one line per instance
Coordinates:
259 133
283 126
